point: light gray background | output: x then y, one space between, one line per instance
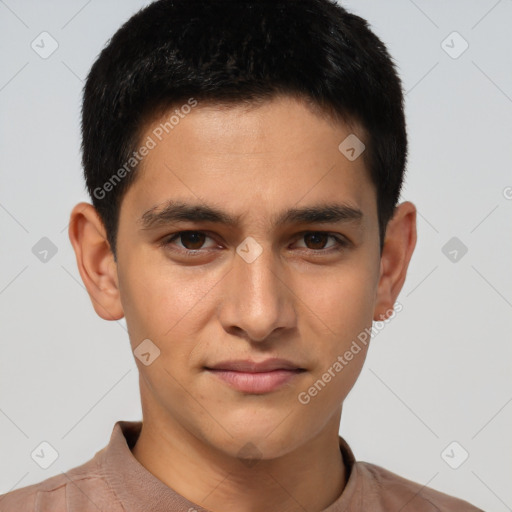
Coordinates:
438 373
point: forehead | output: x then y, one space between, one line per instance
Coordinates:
254 161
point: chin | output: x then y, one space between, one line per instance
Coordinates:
267 437
260 446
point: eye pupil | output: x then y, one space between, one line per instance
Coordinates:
317 238
197 239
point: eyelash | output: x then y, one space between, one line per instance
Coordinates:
341 243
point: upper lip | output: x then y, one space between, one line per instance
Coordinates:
249 366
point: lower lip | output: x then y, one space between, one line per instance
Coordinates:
262 382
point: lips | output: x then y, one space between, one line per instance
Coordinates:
256 377
249 366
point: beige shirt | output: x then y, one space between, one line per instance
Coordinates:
114 481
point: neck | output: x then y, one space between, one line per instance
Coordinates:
310 477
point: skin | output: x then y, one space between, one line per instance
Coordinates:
300 300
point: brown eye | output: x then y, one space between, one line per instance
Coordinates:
317 240
189 241
192 240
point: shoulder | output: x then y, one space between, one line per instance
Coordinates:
394 492
51 491
82 488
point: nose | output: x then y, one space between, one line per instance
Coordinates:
257 300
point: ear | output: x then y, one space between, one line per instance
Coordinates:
399 244
95 261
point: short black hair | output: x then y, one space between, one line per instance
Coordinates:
231 52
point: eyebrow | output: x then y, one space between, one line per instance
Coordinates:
180 211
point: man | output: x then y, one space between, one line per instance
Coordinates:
244 160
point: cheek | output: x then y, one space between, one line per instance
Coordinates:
340 308
164 303
342 301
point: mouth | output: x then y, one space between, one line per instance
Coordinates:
256 377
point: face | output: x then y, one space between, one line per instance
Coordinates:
293 275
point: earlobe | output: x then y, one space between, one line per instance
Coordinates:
95 261
399 245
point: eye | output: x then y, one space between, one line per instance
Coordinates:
318 240
190 240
